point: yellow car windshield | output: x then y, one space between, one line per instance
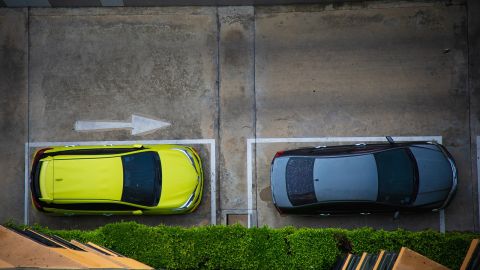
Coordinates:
141 178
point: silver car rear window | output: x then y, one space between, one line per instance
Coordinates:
299 176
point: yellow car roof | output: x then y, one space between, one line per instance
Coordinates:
100 177
87 178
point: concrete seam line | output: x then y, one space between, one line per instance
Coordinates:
26 185
217 106
478 178
210 142
213 183
255 108
27 148
250 142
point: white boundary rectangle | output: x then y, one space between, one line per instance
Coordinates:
251 142
213 166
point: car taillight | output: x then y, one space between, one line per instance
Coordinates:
36 203
39 154
35 163
279 154
37 157
278 209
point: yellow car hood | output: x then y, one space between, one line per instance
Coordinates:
87 178
179 178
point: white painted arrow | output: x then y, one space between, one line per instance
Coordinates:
139 125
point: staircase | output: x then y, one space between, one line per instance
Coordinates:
406 259
29 249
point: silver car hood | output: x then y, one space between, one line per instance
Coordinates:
435 174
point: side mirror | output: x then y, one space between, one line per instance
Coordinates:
137 212
390 140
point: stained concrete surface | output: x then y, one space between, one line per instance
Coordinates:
365 72
89 64
13 111
474 90
233 73
94 64
236 103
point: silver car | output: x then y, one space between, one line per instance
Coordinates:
363 178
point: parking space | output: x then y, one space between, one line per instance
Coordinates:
87 65
364 72
205 213
13 111
107 64
265 210
239 83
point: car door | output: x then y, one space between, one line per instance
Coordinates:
344 208
107 209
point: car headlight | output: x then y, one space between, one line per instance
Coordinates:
186 154
189 201
189 156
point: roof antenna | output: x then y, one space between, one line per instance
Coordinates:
390 140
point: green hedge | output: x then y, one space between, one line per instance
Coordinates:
235 247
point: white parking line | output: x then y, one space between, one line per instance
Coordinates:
441 216
251 142
213 177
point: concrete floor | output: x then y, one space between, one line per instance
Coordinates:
238 73
363 73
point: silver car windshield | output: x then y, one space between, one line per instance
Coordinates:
396 176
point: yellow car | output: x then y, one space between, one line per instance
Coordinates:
122 179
